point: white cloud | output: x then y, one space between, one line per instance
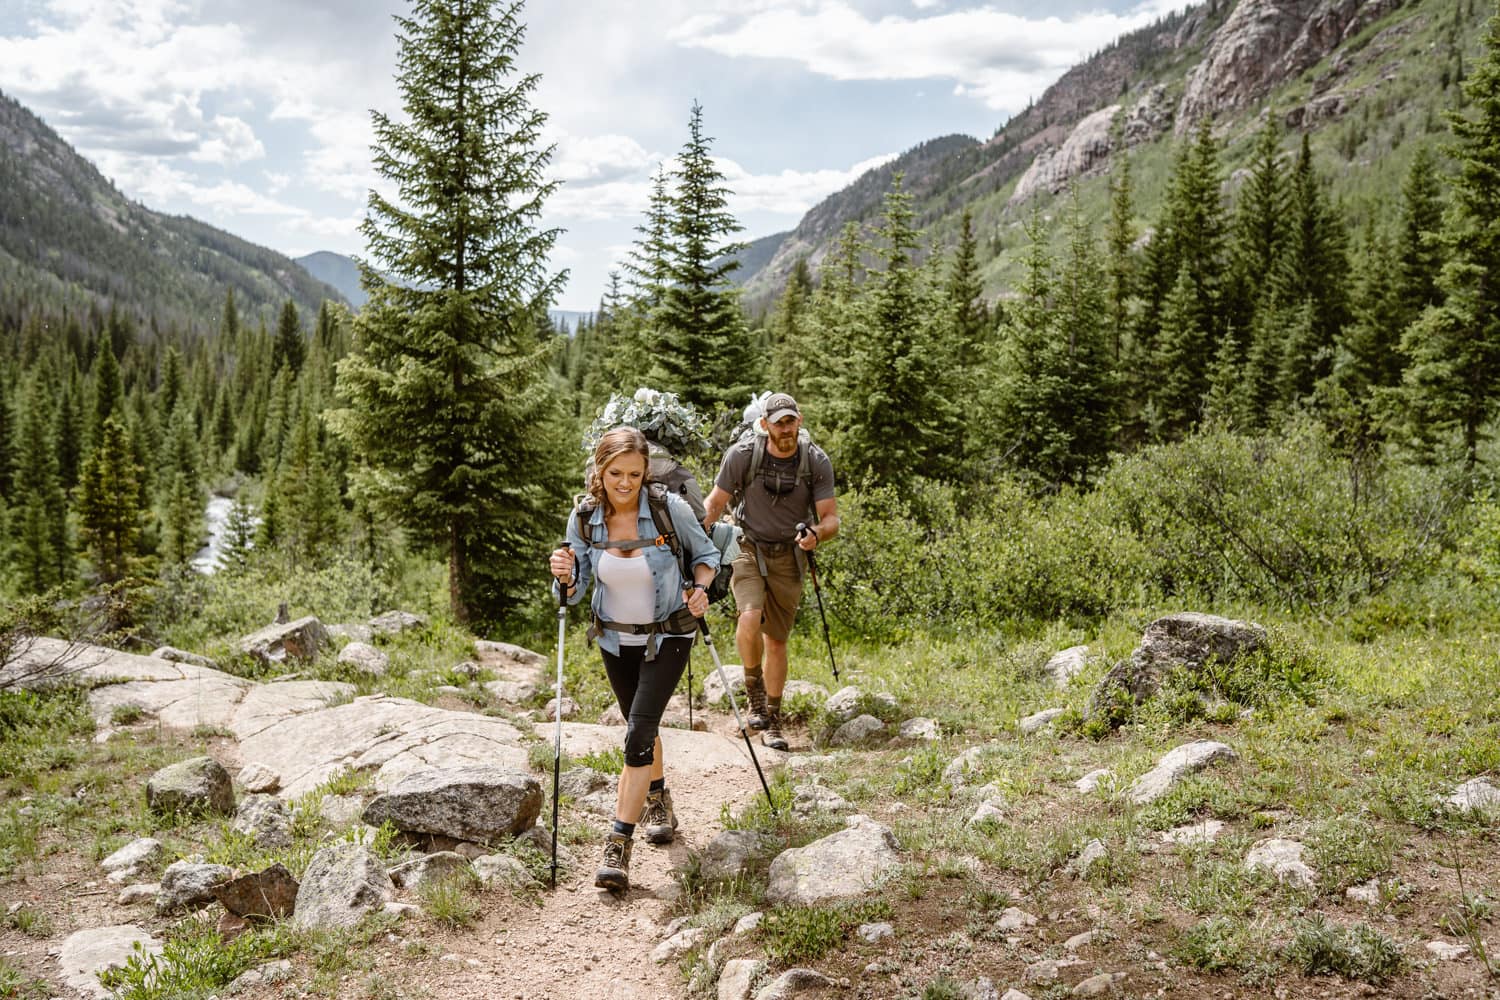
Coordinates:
598 158
997 57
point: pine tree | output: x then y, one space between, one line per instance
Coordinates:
904 424
839 322
648 264
171 387
109 390
41 550
238 541
1120 240
1453 380
289 349
1259 228
109 513
70 429
7 429
1083 315
1181 373
791 330
1314 276
449 403
1419 257
703 354
182 499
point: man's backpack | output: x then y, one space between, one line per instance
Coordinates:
722 536
802 477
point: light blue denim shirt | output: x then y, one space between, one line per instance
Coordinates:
665 572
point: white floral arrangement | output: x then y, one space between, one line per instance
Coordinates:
661 416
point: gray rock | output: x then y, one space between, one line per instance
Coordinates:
516 692
468 669
1014 994
517 655
137 857
1086 149
1092 854
875 932
1098 986
269 974
342 883
133 895
1366 892
920 728
570 709
733 853
810 799
1186 641
988 811
267 894
429 868
298 640
1176 764
1049 970
259 778
199 785
856 730
1205 832
842 865
1283 858
365 658
965 764
576 782
679 944
468 803
183 656
266 820
1475 795
396 622
713 686
844 704
1090 782
1014 919
1066 665
1445 951
1038 720
340 810
793 982
188 883
737 977
748 922
502 869
1082 940
85 954
354 632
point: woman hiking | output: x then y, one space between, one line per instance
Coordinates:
644 617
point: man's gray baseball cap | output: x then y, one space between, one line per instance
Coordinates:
779 406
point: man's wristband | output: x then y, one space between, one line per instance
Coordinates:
814 532
700 586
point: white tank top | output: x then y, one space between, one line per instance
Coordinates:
629 593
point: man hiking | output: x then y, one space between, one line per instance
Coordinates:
777 479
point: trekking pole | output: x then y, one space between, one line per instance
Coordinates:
562 634
812 568
708 640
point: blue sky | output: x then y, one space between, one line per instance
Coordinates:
253 115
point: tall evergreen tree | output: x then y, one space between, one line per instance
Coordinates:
1314 278
1259 230
41 549
1120 242
109 390
791 330
109 513
905 423
449 402
1420 255
289 349
171 387
1453 382
182 499
704 354
1081 310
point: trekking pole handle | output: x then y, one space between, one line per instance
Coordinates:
562 588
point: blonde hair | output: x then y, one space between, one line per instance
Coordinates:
614 443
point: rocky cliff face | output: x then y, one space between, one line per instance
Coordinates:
1264 42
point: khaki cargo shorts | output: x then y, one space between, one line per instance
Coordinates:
777 594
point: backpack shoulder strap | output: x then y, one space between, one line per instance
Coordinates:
656 499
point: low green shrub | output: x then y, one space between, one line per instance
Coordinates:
194 962
1323 948
793 934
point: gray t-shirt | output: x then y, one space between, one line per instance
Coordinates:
777 501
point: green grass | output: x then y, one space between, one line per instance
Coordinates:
797 934
30 921
1322 948
15 984
194 962
451 901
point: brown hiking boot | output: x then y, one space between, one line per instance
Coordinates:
614 871
755 698
658 818
772 736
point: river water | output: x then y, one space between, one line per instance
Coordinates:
217 514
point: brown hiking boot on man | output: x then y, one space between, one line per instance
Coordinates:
755 697
614 871
658 818
772 736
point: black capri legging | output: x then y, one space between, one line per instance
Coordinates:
643 689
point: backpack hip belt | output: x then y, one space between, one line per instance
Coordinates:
679 622
763 549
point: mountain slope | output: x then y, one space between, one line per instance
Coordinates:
337 270
69 238
1368 80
